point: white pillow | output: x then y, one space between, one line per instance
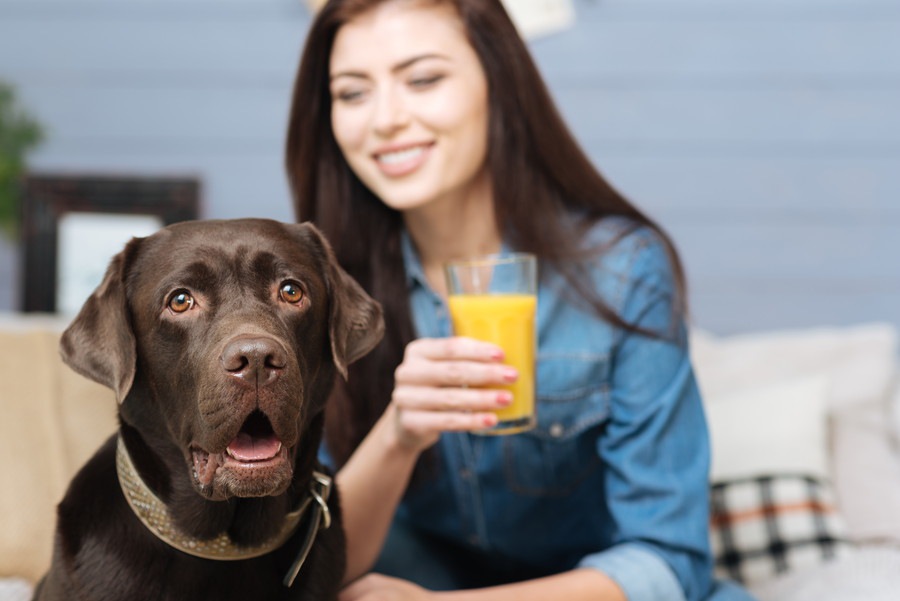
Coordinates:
772 429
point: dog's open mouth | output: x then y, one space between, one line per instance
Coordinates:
255 442
255 448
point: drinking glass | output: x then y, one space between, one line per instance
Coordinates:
494 299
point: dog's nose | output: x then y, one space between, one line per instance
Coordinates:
258 361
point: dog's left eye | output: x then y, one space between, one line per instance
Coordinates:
181 301
290 292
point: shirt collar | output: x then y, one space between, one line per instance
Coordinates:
415 275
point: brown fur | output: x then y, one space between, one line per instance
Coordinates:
184 383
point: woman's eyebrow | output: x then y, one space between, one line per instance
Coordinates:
396 68
419 57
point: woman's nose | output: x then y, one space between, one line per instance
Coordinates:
391 112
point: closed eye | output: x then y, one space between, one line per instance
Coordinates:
350 87
423 83
351 96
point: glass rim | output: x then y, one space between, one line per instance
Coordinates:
492 259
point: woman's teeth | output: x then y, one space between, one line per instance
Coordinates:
400 156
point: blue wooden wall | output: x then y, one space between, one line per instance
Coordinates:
764 134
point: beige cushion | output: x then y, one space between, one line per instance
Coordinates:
53 421
860 362
866 468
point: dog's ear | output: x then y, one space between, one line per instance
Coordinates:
355 323
99 343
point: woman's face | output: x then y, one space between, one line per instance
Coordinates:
409 103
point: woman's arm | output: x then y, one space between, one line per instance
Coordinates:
655 446
431 396
371 484
576 585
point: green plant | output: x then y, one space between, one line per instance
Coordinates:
19 133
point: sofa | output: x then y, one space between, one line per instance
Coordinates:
805 481
805 478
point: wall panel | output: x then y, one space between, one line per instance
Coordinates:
763 133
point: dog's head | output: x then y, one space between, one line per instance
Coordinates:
226 335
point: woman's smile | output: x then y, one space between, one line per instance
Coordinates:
401 160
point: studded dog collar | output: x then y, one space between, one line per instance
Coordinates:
154 514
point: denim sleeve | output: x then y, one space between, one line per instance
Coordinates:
655 447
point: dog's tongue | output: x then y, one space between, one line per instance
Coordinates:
249 448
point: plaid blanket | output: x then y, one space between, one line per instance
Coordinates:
766 525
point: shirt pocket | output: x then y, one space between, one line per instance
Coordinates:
560 453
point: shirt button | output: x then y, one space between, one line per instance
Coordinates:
557 430
465 474
474 540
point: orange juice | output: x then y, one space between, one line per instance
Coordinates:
507 320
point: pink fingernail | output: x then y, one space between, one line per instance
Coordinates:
504 398
498 355
489 420
510 374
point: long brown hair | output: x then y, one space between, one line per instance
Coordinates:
539 175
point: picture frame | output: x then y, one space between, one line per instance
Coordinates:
72 225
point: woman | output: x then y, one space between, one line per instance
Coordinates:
421 132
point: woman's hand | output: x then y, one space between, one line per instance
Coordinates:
375 587
439 387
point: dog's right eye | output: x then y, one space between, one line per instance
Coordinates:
291 292
181 301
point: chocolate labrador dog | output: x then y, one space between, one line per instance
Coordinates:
221 340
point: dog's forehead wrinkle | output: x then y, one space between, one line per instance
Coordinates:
207 272
258 248
199 272
246 264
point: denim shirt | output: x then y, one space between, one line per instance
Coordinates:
614 475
